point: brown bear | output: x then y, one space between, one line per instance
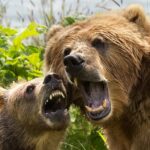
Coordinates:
105 59
33 114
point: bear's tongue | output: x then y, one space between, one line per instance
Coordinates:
95 95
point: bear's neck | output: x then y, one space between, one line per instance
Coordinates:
16 137
131 130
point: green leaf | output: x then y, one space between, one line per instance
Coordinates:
33 29
101 135
35 73
68 21
7 76
34 60
7 31
41 29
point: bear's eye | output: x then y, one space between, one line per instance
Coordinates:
30 89
99 44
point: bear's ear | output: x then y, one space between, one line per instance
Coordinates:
135 13
2 96
52 31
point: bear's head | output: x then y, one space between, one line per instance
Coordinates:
37 105
101 58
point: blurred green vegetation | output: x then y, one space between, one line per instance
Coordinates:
22 59
17 59
82 135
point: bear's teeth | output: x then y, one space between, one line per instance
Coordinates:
104 103
98 109
50 97
46 101
62 95
56 93
75 82
65 112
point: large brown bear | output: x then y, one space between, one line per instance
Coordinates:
33 115
106 61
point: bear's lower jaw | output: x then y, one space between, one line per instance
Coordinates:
59 120
96 99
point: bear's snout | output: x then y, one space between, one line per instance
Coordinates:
52 79
73 61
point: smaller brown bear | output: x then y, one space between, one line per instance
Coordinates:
33 115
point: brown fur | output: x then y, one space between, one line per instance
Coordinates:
2 91
125 65
22 123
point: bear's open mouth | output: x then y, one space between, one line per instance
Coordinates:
96 99
56 101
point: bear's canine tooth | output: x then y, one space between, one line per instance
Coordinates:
65 112
46 101
104 104
62 95
75 82
59 93
50 97
88 108
53 95
99 109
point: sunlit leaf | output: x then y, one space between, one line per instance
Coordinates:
34 59
7 31
33 29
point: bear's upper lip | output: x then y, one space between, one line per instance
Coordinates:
96 99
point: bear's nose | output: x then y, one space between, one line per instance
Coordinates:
50 78
73 61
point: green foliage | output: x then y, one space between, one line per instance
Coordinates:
82 135
70 20
17 59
